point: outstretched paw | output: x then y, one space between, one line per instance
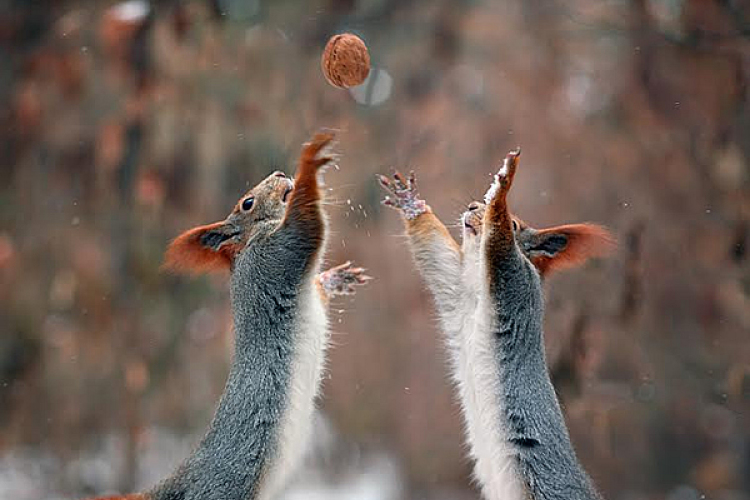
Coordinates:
504 177
341 280
314 153
402 195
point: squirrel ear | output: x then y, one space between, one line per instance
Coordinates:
202 249
566 246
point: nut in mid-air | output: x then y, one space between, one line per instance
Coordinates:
345 61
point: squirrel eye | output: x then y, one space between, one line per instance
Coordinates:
515 225
247 203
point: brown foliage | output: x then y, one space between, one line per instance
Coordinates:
630 114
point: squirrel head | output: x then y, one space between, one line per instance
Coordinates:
215 246
551 249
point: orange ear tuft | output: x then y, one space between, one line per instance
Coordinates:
583 241
190 252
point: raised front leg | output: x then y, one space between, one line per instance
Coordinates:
533 430
402 195
304 214
514 283
340 280
297 244
436 253
498 223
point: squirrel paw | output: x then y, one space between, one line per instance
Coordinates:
504 177
403 195
342 279
313 152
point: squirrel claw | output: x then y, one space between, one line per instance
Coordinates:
412 181
510 164
311 151
402 194
504 177
324 160
319 141
342 279
400 183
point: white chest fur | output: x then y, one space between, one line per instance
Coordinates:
481 389
441 271
311 334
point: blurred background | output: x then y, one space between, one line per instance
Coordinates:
124 124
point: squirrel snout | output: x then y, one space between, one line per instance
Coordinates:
466 219
472 217
287 188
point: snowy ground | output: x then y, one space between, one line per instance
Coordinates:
333 470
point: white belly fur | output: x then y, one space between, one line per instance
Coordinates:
311 333
480 387
443 281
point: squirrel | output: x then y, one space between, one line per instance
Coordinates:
489 299
272 243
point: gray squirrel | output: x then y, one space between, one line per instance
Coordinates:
488 294
272 243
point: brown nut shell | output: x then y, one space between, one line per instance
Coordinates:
345 61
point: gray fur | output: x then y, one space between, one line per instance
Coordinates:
239 446
534 421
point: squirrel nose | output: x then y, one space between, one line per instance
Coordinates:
474 205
